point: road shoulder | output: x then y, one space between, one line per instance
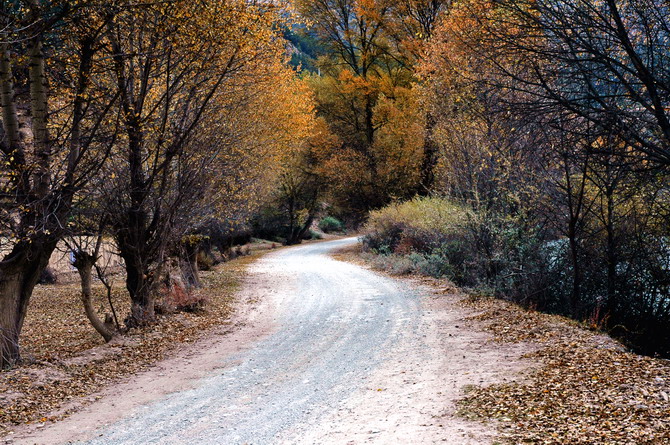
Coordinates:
413 396
571 382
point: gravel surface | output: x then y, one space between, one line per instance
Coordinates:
335 320
320 352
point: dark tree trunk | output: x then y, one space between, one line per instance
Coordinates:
298 232
139 282
575 296
611 303
188 263
429 159
20 271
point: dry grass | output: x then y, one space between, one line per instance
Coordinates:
351 254
68 359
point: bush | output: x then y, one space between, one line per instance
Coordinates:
205 261
501 252
433 265
419 225
442 239
331 224
48 276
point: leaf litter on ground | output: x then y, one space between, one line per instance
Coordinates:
65 359
588 389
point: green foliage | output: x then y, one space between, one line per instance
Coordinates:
331 224
313 235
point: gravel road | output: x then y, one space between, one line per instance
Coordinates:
335 322
319 352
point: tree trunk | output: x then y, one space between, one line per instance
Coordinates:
429 159
11 141
84 263
20 271
10 121
139 283
188 263
39 113
575 297
611 255
291 237
298 232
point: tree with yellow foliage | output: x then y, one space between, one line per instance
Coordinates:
185 73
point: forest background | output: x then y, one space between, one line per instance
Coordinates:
517 148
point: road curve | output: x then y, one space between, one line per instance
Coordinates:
335 323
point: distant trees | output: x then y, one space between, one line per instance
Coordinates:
366 92
299 192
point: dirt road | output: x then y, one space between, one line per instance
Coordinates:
323 352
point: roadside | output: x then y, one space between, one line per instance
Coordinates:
69 363
329 353
579 387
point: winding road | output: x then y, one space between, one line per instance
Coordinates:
328 352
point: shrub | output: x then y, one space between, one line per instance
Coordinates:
433 265
419 225
395 264
331 224
205 261
443 239
48 276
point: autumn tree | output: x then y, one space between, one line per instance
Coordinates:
605 62
259 133
301 186
54 138
550 124
175 67
411 29
363 78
